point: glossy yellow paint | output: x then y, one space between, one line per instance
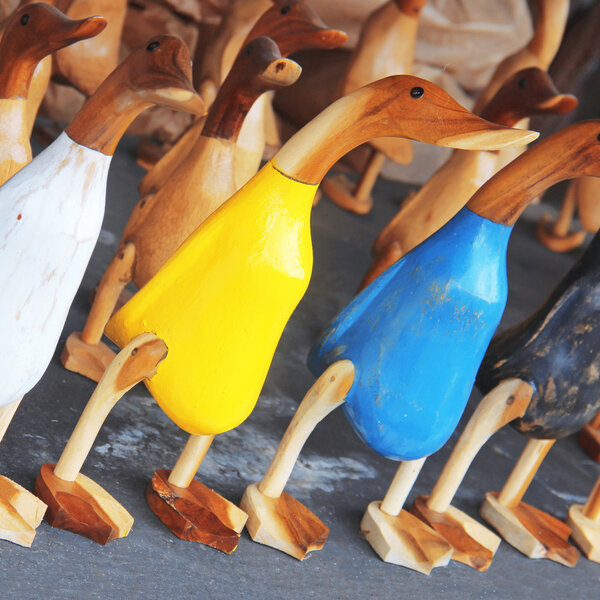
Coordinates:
222 300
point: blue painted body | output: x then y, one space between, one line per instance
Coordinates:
417 335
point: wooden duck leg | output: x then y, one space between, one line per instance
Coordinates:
530 530
20 511
585 523
275 518
189 509
356 198
589 438
75 502
556 235
84 352
399 537
473 544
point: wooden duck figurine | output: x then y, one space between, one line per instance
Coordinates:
30 35
293 26
161 222
414 340
582 196
48 236
195 299
527 92
386 47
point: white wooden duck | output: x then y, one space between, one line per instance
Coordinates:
51 212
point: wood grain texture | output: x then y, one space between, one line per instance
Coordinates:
404 540
159 72
585 532
589 438
472 544
89 360
196 513
82 507
283 523
530 530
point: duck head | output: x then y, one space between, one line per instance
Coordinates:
294 25
31 33
528 92
396 106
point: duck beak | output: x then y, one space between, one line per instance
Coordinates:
69 31
281 72
182 97
469 132
559 104
328 39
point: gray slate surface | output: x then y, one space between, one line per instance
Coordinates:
336 478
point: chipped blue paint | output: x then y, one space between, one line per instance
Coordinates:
417 335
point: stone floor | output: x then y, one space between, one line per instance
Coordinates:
337 475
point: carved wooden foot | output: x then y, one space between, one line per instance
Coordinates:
89 360
404 540
530 530
283 523
82 507
589 438
546 234
585 532
340 190
20 513
472 543
196 513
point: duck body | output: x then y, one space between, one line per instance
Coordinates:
15 149
416 337
50 217
557 351
253 257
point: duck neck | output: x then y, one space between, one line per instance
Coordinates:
504 197
105 116
549 29
16 72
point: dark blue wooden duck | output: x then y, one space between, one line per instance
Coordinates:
410 344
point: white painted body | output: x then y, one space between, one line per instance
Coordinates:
50 217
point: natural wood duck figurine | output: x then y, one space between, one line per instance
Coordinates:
293 26
386 47
582 196
239 285
31 33
527 92
415 339
161 222
47 235
538 376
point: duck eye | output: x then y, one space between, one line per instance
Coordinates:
286 9
24 19
152 46
522 83
417 92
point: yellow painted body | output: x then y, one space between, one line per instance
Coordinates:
222 300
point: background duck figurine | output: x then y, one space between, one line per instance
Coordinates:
161 222
47 235
220 303
526 93
415 339
30 34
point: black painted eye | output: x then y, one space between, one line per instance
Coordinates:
417 92
24 19
286 9
152 46
522 83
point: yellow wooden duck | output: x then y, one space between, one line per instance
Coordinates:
220 303
30 35
161 222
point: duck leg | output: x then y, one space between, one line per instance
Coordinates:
84 352
473 544
275 518
399 537
20 511
75 502
530 530
589 438
355 198
189 509
585 523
